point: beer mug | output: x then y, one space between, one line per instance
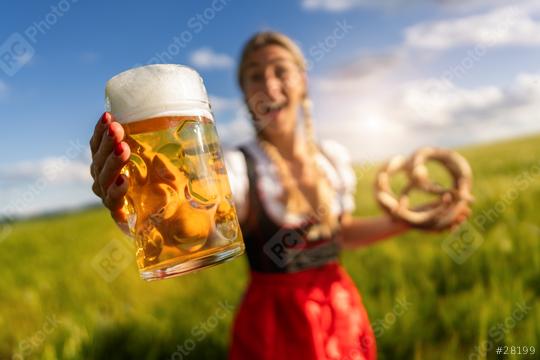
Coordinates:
179 203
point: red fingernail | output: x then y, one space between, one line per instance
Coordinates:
110 132
119 181
118 149
105 118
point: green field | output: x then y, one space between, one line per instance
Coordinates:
54 304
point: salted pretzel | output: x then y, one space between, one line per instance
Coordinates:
437 215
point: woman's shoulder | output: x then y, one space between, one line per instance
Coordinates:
235 156
336 152
339 157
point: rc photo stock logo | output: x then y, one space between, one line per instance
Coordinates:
113 259
283 247
17 50
463 242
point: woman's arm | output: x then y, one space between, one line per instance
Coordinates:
358 232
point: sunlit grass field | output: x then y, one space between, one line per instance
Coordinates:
54 304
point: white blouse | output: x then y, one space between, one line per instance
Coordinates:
335 162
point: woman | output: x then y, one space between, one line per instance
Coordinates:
294 199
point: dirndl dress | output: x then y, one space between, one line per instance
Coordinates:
300 303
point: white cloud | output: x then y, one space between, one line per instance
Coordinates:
367 71
435 102
382 104
24 59
373 64
339 5
471 5
235 132
390 117
50 170
527 85
48 184
35 200
452 5
237 129
511 25
4 89
206 58
224 104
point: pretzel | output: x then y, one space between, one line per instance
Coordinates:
437 215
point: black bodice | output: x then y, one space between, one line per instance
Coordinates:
274 248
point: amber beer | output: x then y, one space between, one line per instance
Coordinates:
179 203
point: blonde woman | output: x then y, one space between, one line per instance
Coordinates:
294 197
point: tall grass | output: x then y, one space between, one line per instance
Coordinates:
422 304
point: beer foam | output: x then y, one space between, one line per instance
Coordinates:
156 90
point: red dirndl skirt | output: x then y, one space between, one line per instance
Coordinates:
311 314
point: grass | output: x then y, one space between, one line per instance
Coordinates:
422 304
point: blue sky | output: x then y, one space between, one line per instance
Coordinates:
396 76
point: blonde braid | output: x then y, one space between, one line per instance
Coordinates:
325 191
292 197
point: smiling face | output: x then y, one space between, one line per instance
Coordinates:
274 87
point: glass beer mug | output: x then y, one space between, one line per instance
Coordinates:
179 203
